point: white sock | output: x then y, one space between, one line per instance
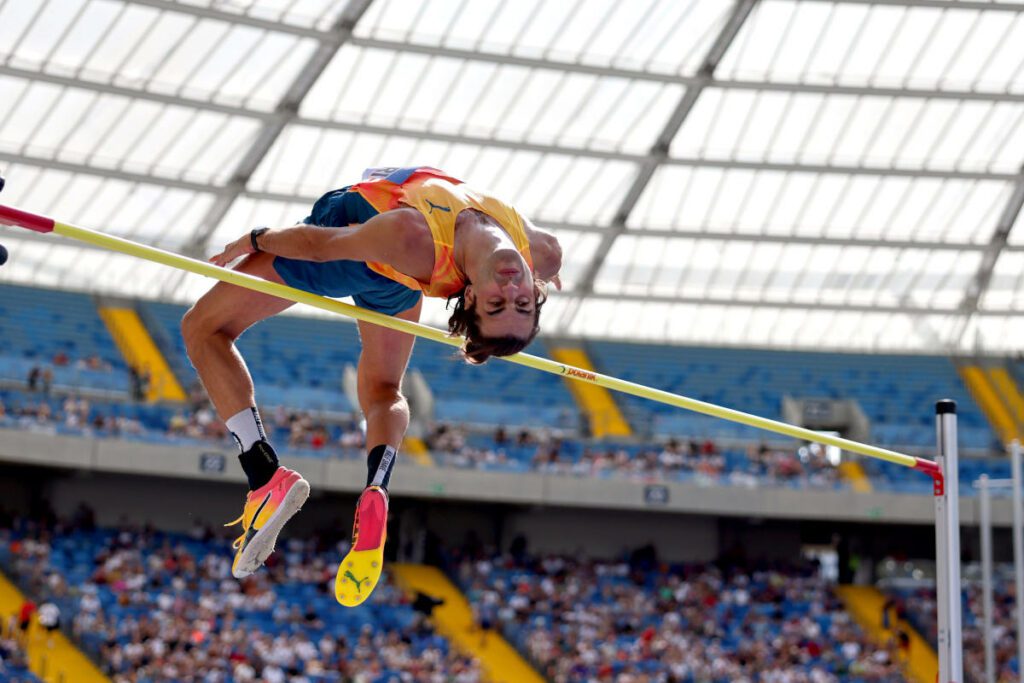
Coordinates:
246 427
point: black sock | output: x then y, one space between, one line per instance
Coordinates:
260 463
379 463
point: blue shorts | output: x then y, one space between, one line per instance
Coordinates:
342 278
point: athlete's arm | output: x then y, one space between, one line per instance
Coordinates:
547 253
384 238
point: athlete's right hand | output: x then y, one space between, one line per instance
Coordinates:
240 247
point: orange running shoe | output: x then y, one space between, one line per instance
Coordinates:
266 511
360 571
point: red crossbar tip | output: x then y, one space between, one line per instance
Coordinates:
932 469
23 219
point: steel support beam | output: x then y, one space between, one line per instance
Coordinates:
110 173
666 233
660 150
941 174
234 18
597 70
899 309
134 93
274 120
986 5
997 245
286 111
505 59
650 159
317 34
809 240
500 59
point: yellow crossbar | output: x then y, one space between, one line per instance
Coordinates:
16 217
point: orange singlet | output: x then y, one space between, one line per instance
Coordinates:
440 198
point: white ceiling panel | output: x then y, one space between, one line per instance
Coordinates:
786 273
308 161
877 132
884 45
164 216
481 99
821 205
656 35
164 51
758 326
46 121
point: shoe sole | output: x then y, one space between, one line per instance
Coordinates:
351 591
262 544
366 563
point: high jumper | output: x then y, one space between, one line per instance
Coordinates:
400 234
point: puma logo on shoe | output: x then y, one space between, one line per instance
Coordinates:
359 584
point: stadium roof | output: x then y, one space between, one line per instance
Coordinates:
788 173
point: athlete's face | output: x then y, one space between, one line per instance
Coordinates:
504 297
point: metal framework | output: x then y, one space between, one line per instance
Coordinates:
996 246
660 151
285 112
657 143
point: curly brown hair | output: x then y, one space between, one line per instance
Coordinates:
477 348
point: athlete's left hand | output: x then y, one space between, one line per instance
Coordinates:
240 247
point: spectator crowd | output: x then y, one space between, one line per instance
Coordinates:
702 460
157 607
625 622
921 611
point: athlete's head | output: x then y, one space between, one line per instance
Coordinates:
499 313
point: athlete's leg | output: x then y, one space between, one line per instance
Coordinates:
211 327
382 364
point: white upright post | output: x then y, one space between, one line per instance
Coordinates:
1018 547
947 546
985 524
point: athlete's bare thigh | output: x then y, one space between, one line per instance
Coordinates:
231 309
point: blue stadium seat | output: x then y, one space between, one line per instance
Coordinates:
896 392
37 324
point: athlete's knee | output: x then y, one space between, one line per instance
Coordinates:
198 326
381 393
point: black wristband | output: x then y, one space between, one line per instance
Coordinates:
256 232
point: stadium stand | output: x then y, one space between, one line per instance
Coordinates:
592 620
14 666
915 600
890 389
673 460
59 333
155 606
299 362
496 450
